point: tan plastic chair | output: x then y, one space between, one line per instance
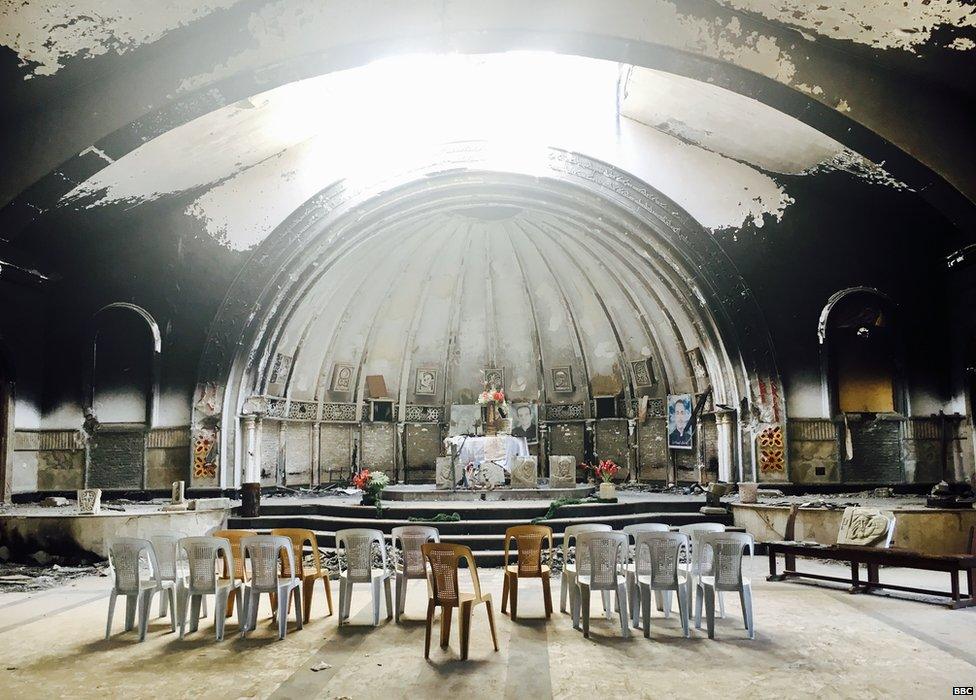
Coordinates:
299 537
443 559
528 544
240 571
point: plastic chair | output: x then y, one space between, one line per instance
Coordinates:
529 540
358 545
657 566
443 559
125 555
726 548
700 560
632 594
413 565
265 553
298 539
567 578
166 545
601 559
201 554
239 569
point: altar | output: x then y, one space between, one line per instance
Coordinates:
499 450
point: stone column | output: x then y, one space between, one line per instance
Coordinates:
724 423
251 427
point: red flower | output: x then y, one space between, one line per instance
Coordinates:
498 396
361 480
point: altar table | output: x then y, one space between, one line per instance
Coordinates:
502 450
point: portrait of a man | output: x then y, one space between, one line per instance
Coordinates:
525 422
681 430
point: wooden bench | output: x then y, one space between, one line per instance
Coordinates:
874 558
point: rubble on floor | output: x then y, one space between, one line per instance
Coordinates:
16 578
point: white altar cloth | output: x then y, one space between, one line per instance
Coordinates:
502 450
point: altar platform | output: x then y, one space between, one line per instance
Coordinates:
428 493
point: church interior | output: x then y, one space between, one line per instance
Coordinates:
672 301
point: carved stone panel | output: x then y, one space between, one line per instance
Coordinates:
335 452
525 475
865 526
612 443
566 439
117 459
89 501
443 472
378 446
562 471
298 454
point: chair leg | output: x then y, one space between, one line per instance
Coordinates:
230 606
111 611
170 596
297 593
203 607
431 606
401 596
387 586
683 592
241 617
574 605
721 604
464 628
194 612
145 610
505 586
283 601
375 586
130 612
513 597
692 585
746 597
607 609
584 593
710 611
563 590
667 603
308 585
635 600
491 623
220 610
659 601
699 595
446 626
622 611
328 592
163 599
645 594
546 595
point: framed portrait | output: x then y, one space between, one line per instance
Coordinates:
425 383
342 377
681 429
525 422
562 380
494 377
643 372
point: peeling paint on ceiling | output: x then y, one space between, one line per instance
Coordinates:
883 24
45 34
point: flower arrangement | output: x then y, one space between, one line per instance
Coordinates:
606 470
372 486
492 396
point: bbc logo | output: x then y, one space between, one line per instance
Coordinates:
962 690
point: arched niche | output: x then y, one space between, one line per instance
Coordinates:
126 347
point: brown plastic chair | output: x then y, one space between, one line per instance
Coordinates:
528 544
309 576
240 571
443 559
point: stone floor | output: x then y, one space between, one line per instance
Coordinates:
811 641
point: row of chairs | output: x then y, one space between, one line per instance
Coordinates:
603 562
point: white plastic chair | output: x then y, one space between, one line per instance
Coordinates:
412 562
171 568
358 546
700 559
601 559
264 552
657 559
125 556
632 594
201 555
726 548
567 579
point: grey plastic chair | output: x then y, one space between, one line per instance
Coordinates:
727 549
632 594
657 563
201 554
567 579
264 552
125 555
171 566
358 546
700 559
601 559
412 562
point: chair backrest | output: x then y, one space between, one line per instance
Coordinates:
299 536
410 538
443 559
727 548
632 530
573 531
124 554
529 540
358 545
201 555
701 557
166 545
658 554
234 537
602 556
265 553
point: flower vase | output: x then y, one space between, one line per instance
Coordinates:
491 421
608 491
